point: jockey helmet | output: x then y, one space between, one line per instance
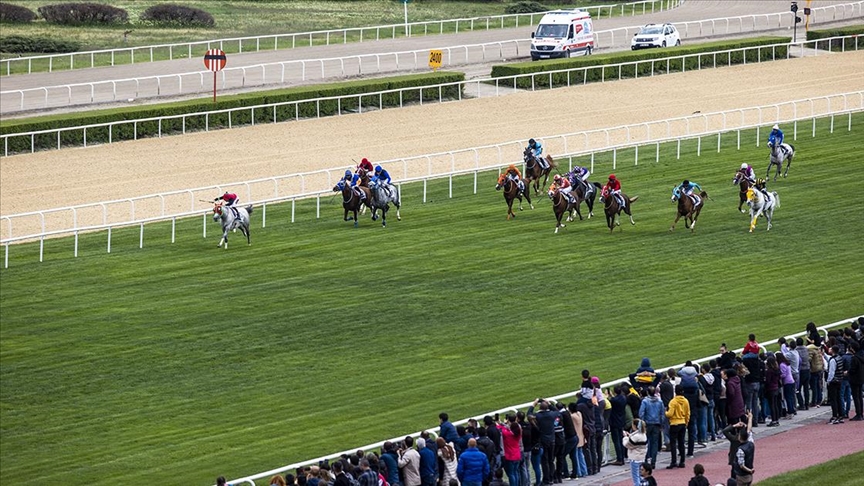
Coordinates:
611 177
532 142
685 183
347 173
775 127
378 169
744 165
364 161
760 181
557 178
511 168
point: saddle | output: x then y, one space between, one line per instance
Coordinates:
696 199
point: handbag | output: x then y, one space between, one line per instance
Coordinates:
702 397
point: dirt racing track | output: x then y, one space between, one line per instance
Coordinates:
86 175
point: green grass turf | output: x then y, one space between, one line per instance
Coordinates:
845 471
236 18
179 362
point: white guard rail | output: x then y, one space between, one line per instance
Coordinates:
185 50
182 204
301 71
503 85
511 409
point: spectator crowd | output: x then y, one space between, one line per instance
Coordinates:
675 411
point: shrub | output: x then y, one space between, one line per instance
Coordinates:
18 44
525 7
15 13
170 14
82 13
837 44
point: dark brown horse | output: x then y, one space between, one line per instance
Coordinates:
561 205
688 208
351 201
512 192
533 170
584 191
613 209
743 184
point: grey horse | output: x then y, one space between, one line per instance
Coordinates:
779 153
232 218
382 196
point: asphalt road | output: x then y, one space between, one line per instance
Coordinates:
164 80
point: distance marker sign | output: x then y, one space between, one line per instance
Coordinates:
215 60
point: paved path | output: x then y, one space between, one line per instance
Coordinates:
798 443
119 84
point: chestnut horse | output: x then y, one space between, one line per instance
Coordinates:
613 209
743 184
533 170
689 206
561 205
512 192
351 201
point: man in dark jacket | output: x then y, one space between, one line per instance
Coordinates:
616 423
391 460
448 431
856 379
752 383
428 464
545 419
589 429
744 459
733 433
495 436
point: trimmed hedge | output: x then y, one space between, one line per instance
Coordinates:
18 44
210 120
16 13
701 55
83 13
177 15
526 7
838 44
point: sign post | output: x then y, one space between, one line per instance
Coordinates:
214 60
405 5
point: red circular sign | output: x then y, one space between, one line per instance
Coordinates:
215 60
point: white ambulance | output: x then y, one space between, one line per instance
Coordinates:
563 33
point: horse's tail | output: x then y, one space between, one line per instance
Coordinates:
598 185
551 161
633 199
776 199
249 209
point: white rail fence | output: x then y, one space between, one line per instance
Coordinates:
512 409
299 71
185 50
170 206
354 103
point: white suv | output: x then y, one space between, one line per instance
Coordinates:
653 35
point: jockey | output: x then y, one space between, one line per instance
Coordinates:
514 175
348 176
229 198
581 173
537 151
564 187
382 177
760 184
365 165
775 138
355 185
748 172
686 188
613 187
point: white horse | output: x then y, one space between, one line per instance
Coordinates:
779 153
761 206
232 218
382 196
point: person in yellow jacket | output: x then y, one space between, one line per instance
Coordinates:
678 414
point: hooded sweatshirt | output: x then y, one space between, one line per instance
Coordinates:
679 411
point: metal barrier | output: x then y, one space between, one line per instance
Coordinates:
185 50
513 408
469 161
320 69
505 83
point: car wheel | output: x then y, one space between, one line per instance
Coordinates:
663 44
568 54
678 42
589 51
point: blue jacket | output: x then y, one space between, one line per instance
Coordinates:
692 187
775 137
473 466
652 411
355 180
448 432
392 462
384 178
538 148
428 463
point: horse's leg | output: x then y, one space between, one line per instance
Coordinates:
510 209
384 216
627 210
788 163
677 217
743 197
520 201
768 215
768 172
356 220
779 167
755 217
590 203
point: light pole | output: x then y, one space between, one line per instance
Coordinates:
405 5
794 9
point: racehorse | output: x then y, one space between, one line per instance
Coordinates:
689 206
382 196
761 206
511 192
362 182
533 170
350 200
613 209
744 184
232 218
584 191
561 205
779 153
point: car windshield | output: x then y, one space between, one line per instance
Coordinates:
552 30
653 29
